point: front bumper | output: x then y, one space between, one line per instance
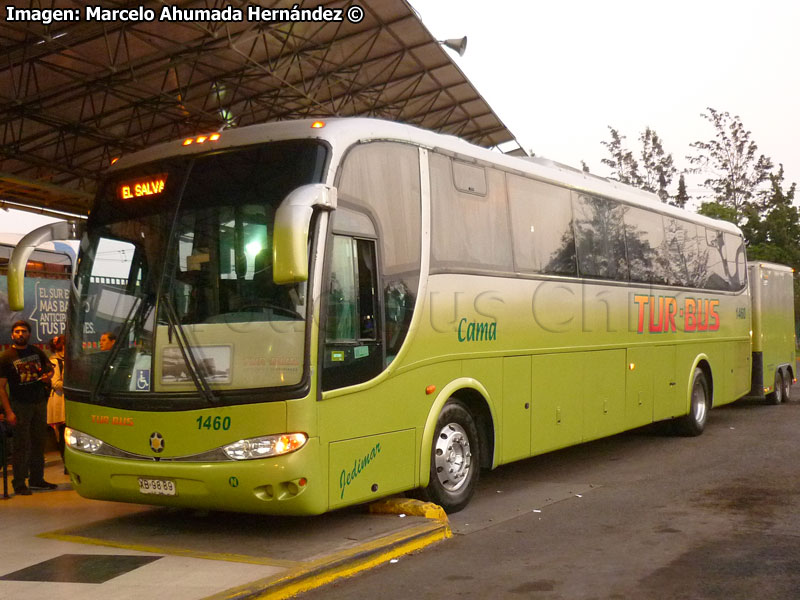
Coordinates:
292 484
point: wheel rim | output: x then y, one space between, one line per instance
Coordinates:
778 387
452 457
699 405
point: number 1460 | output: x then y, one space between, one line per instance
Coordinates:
215 423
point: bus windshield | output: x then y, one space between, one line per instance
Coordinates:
174 289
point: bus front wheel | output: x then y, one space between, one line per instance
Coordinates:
455 458
694 423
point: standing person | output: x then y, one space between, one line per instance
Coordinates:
55 404
27 371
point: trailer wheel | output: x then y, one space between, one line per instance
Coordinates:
694 423
776 397
787 385
455 458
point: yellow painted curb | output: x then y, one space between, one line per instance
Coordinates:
333 570
355 560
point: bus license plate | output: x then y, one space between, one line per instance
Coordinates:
158 487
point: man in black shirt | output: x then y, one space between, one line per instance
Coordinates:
27 371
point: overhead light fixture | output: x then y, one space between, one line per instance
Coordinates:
456 45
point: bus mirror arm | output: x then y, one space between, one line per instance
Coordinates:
292 223
63 230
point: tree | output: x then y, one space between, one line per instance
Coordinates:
681 198
624 167
773 233
718 210
734 173
658 166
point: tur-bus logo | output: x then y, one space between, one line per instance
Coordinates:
660 314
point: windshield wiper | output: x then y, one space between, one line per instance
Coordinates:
108 366
197 372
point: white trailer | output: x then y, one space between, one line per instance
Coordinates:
772 302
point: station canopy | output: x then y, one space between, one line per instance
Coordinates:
75 95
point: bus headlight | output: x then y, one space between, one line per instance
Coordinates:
266 446
77 440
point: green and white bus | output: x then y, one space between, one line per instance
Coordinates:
311 315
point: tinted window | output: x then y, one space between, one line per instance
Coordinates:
599 237
644 238
726 261
687 257
469 231
735 260
718 276
382 179
541 226
352 352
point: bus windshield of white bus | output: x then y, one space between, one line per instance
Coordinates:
176 275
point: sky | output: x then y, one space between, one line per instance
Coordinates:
558 73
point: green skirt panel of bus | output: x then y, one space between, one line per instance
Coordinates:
371 466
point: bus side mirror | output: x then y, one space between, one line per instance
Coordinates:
64 230
290 236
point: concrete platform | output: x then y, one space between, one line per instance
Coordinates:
55 544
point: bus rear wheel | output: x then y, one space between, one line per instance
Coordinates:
694 423
777 396
455 458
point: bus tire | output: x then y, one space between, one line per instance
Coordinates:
455 458
694 423
776 397
787 385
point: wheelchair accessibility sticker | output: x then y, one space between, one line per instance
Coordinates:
143 380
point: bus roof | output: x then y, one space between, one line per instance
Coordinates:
341 133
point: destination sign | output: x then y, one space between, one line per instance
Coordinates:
142 188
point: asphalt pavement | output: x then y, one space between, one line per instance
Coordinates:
637 516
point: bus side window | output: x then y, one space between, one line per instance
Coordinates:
353 350
600 237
